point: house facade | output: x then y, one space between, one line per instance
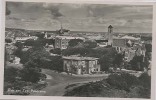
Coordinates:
119 44
81 65
62 41
130 47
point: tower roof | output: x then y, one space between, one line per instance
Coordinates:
110 26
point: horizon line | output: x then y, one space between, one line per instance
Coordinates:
76 30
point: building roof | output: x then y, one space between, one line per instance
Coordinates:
26 38
119 42
79 58
69 37
130 37
110 26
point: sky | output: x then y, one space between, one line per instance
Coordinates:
79 17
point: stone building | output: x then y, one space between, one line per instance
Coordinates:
81 65
110 35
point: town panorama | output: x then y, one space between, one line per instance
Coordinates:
78 50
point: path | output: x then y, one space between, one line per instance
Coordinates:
58 82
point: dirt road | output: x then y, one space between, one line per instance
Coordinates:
58 82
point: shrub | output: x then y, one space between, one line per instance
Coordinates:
8 40
74 42
122 81
90 44
88 90
139 92
145 80
31 73
56 51
10 74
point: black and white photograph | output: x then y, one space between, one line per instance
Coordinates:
78 49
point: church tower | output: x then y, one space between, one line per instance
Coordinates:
61 30
110 35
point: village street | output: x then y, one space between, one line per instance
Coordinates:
58 81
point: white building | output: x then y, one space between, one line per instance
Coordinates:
16 60
80 65
23 39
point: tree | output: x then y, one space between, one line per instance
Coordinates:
106 56
37 53
56 63
89 44
56 51
75 51
18 51
8 40
10 74
29 42
148 47
19 45
31 72
105 62
50 41
118 59
74 42
137 63
40 42
40 35
33 53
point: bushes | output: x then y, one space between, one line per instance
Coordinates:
8 40
89 44
31 73
136 87
74 51
56 63
122 81
137 63
10 74
121 85
56 51
74 42
145 80
88 90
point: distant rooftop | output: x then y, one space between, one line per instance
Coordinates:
79 58
130 37
69 37
110 26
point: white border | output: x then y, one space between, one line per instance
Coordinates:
127 2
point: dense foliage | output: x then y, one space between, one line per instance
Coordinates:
74 42
8 40
137 63
121 85
56 51
31 72
90 44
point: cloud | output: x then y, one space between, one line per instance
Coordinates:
54 9
89 17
